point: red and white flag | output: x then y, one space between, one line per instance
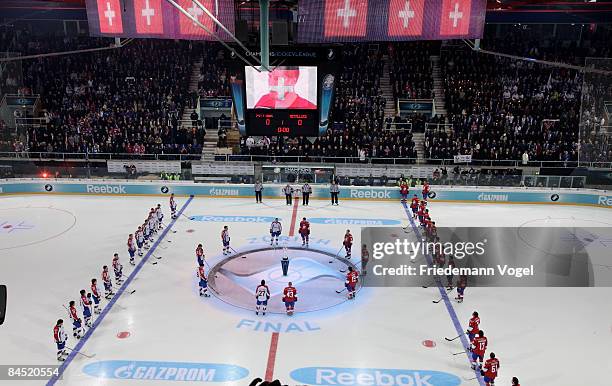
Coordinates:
109 13
346 17
187 26
406 17
455 17
148 15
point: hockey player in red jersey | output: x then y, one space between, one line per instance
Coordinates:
95 295
414 205
203 284
304 231
199 252
108 284
425 190
77 329
348 243
404 190
60 337
489 370
473 326
352 277
289 298
478 348
461 284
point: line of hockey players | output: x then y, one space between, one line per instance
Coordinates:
90 302
478 342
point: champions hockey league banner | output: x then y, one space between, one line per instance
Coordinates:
382 20
158 19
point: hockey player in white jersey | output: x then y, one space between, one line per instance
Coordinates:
262 295
275 230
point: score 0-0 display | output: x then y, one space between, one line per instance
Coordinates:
283 122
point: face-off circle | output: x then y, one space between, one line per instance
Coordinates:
23 226
234 279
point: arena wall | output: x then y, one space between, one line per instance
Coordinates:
498 195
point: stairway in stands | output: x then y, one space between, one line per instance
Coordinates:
438 85
387 89
193 87
419 145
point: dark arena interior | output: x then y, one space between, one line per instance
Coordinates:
305 192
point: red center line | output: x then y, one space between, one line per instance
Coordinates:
296 202
274 340
272 357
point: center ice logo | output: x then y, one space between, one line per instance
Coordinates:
328 376
165 371
302 271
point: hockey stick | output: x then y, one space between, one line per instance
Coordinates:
80 353
188 218
459 353
236 252
164 225
469 379
336 254
458 336
340 291
442 298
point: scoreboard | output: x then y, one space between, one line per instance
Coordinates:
158 19
283 122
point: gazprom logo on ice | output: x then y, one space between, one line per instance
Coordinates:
165 371
114 189
358 193
223 192
251 219
492 197
353 221
328 376
605 200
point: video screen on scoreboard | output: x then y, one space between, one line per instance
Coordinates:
286 87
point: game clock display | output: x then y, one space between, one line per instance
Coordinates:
283 122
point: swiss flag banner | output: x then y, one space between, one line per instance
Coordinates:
110 16
187 26
148 15
455 17
406 17
346 17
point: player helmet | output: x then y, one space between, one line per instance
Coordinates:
515 381
82 292
59 322
71 304
350 269
263 282
492 355
475 313
481 333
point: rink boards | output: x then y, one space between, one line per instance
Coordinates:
498 195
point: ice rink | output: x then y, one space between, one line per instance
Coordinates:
51 247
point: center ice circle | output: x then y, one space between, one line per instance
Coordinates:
234 279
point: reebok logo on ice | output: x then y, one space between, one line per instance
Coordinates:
605 200
112 189
492 197
356 193
327 376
